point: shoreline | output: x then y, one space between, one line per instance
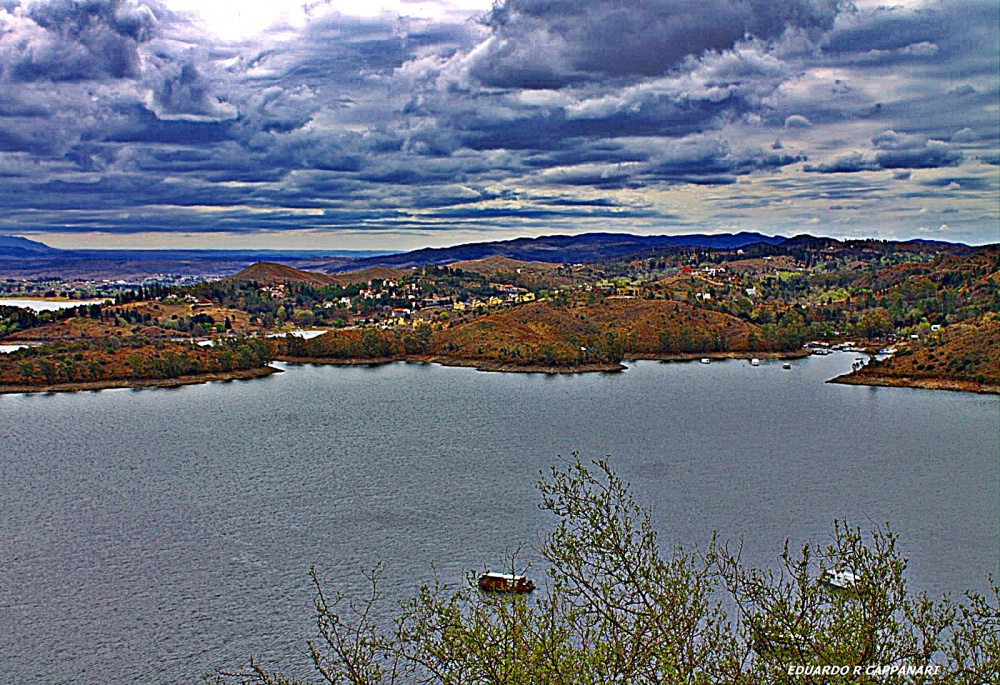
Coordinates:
497 367
911 382
110 384
500 367
490 367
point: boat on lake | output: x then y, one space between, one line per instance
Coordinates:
755 362
706 360
786 365
843 580
504 582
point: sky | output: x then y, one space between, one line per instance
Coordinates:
398 124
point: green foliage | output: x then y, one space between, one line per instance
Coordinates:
617 609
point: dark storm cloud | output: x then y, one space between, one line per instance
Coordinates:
890 35
63 40
183 94
549 44
845 164
545 111
894 151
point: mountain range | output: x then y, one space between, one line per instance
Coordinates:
21 257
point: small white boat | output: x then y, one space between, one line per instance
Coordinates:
786 365
845 580
755 362
706 360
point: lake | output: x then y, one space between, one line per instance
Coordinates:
41 305
155 535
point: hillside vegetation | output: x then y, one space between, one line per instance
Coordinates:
549 336
106 362
669 300
961 357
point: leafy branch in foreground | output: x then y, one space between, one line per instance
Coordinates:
617 609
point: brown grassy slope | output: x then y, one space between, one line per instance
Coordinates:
380 273
965 352
977 270
272 274
538 333
644 323
490 266
608 330
82 328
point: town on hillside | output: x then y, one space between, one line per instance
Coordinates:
928 314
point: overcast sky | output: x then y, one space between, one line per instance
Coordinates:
391 124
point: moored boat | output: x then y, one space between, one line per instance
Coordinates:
755 362
844 580
504 582
706 360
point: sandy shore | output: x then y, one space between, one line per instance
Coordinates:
141 383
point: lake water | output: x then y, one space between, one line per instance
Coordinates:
155 535
40 305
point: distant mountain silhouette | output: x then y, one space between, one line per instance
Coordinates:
28 258
14 247
561 249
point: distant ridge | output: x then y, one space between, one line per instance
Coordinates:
14 247
271 273
558 249
24 258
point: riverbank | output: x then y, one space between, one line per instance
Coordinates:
500 367
478 364
140 383
911 382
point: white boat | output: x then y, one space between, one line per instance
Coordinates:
755 362
706 360
845 580
786 365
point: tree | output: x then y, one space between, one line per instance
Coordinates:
873 323
618 609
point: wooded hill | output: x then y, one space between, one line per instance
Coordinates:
546 335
